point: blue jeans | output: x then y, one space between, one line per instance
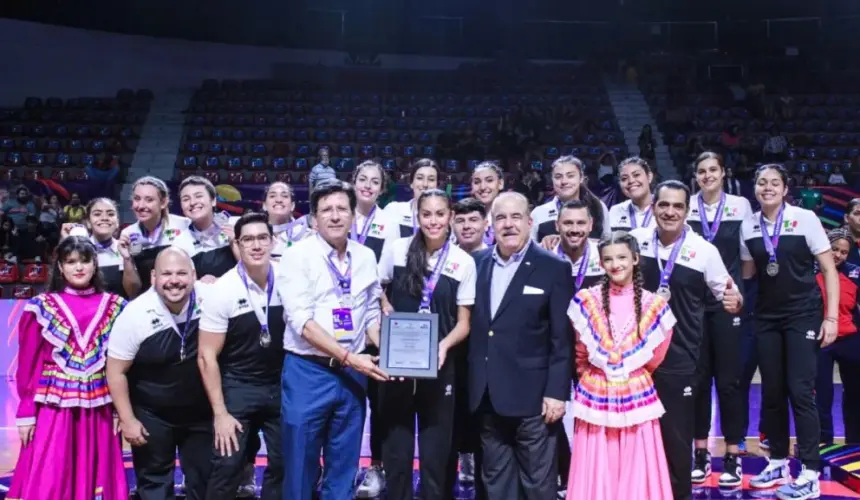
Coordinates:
321 408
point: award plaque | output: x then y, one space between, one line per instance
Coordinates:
410 345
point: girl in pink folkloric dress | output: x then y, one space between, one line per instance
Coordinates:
69 450
623 334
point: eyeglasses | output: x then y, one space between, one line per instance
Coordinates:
248 241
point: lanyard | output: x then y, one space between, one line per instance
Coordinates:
152 238
361 237
646 219
710 230
431 281
342 281
489 236
262 313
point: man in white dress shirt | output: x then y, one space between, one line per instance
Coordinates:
330 292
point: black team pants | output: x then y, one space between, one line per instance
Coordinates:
845 353
677 392
719 361
433 401
467 429
788 354
257 407
189 430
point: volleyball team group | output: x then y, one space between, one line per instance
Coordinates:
205 336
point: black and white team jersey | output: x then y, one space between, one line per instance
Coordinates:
110 265
230 310
214 255
625 215
403 214
793 291
592 272
150 336
728 239
456 285
544 217
173 231
698 274
382 231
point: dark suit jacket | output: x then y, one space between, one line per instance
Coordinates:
525 352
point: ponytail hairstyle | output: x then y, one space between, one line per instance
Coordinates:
160 186
595 206
89 210
710 155
383 175
416 256
425 163
624 238
783 173
87 253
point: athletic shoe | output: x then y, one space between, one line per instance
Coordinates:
562 489
248 488
467 469
742 447
763 443
775 473
733 475
805 486
373 483
701 466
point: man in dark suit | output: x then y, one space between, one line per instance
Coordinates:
520 352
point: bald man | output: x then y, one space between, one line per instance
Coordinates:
520 351
155 384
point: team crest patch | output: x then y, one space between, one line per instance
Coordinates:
451 267
172 233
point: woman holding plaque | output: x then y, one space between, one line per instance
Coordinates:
623 334
425 175
718 217
426 274
783 243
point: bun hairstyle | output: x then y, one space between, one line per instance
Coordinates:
710 155
783 174
383 175
595 208
416 256
160 186
623 238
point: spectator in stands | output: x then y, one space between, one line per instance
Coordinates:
732 184
32 243
8 238
322 170
810 197
606 171
647 144
786 105
836 178
21 207
50 217
775 147
529 186
75 212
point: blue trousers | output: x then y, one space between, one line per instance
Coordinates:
321 408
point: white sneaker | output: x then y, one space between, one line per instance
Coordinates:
776 473
373 483
248 487
806 486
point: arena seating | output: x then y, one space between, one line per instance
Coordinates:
52 138
256 131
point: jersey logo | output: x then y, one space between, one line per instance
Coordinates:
687 253
172 233
451 267
789 225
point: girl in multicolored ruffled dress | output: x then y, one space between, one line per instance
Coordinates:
69 447
623 333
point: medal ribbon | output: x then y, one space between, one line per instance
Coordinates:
646 219
666 273
431 281
489 236
261 313
301 224
583 264
103 246
186 327
710 230
153 237
362 236
342 281
771 242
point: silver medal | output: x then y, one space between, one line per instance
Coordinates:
424 311
135 246
664 293
182 353
265 339
772 269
